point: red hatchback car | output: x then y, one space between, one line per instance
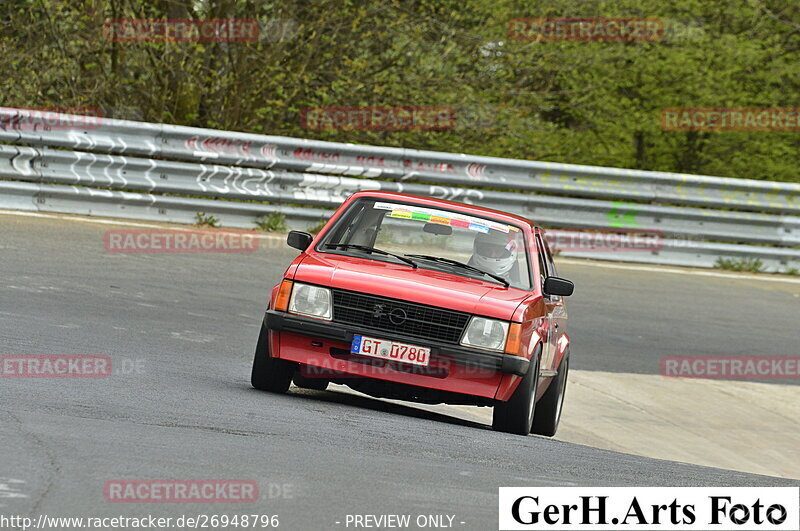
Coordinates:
422 299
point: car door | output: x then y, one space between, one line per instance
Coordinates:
547 329
554 307
556 312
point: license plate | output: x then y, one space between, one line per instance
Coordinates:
390 350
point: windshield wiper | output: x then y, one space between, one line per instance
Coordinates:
368 249
460 264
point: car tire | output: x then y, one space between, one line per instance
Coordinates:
305 382
548 410
270 374
516 415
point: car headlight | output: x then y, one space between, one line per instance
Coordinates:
312 301
489 334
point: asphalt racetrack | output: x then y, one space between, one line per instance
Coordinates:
180 330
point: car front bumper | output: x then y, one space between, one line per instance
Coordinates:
469 358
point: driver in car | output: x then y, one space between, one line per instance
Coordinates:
495 253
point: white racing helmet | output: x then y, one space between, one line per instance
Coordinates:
493 252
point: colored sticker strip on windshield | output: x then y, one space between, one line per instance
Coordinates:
442 217
404 214
479 228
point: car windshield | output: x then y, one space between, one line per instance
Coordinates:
432 238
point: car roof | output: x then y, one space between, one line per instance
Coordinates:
462 207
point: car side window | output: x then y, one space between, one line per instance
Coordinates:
540 250
551 266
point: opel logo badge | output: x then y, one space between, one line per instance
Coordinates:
398 316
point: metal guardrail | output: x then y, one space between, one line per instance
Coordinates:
262 151
287 186
151 207
123 169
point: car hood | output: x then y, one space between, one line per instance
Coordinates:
399 281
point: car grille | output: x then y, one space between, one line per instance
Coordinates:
391 315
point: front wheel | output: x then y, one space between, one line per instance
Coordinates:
270 374
310 382
548 411
516 415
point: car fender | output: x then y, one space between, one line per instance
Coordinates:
530 313
510 382
288 274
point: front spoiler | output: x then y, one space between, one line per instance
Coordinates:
294 324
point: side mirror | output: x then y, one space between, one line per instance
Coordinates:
558 286
299 240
